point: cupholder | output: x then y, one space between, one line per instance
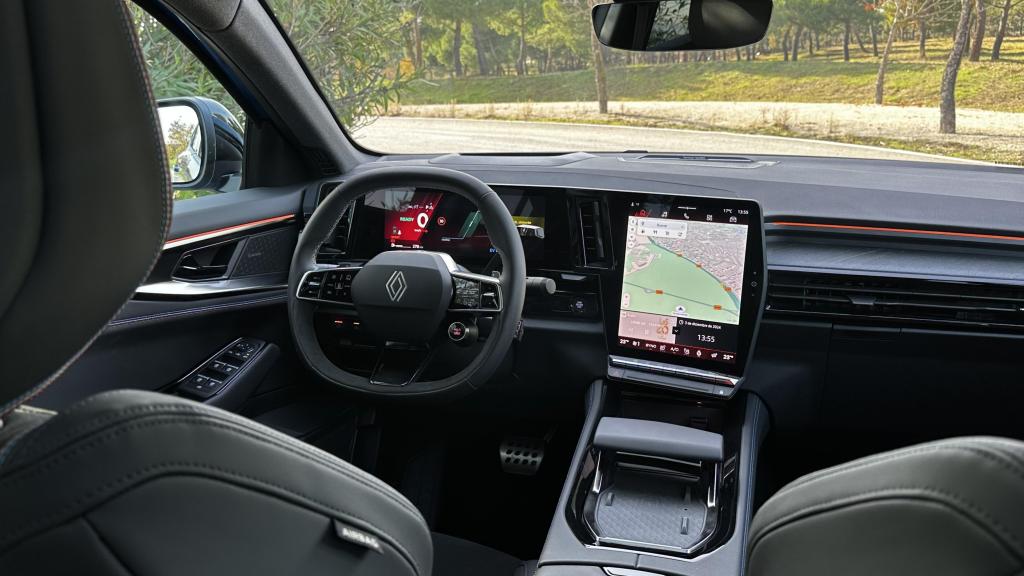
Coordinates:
651 503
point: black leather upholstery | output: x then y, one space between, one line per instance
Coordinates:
945 508
168 486
133 482
85 192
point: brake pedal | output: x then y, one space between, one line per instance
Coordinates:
521 455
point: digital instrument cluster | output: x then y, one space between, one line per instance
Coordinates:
424 219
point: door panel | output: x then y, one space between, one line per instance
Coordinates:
172 325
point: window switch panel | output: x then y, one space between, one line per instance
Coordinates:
214 375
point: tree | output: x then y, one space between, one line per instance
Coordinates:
899 12
597 57
848 13
883 65
369 34
173 70
449 14
1004 20
978 38
947 91
922 38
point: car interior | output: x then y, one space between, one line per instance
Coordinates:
584 363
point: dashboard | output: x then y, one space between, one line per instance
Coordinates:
900 281
677 279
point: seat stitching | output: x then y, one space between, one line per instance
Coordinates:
261 433
899 453
40 449
921 492
98 422
195 467
103 541
165 189
975 449
13 479
76 406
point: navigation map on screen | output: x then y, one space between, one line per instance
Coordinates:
682 281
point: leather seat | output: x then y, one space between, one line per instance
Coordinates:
133 482
953 507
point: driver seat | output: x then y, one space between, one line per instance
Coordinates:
132 482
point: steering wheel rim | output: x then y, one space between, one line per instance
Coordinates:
503 235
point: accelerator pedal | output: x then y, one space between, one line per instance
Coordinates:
521 455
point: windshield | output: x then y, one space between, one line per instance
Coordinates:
926 80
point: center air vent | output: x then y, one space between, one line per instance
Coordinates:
593 236
896 299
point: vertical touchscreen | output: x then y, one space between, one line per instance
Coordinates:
682 281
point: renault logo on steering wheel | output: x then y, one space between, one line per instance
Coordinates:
396 286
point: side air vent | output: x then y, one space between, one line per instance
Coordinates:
323 161
896 299
337 244
593 238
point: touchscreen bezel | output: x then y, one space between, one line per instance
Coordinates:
754 275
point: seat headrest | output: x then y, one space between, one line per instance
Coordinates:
84 188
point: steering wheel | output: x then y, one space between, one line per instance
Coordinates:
406 298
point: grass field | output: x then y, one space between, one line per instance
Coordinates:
825 77
911 90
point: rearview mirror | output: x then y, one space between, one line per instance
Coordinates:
203 142
655 26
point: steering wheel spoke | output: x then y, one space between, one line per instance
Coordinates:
475 293
328 286
400 364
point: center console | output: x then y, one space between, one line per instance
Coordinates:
659 484
663 474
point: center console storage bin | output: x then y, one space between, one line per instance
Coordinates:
649 496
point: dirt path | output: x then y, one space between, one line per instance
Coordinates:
440 135
997 130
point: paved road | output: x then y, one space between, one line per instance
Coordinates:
437 135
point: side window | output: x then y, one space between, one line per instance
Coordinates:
202 124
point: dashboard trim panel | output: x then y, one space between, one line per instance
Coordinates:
888 230
211 234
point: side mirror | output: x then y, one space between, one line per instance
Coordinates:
677 25
203 142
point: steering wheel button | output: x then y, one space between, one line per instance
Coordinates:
310 287
456 331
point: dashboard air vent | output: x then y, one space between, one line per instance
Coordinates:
896 299
337 244
593 240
